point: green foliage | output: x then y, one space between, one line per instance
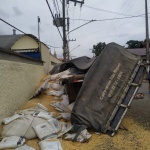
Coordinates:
97 49
134 44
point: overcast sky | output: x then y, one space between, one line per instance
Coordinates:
23 15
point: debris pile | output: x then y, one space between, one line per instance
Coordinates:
39 122
106 93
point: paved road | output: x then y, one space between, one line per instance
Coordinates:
140 108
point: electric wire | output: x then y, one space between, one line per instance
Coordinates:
128 7
58 6
107 11
113 22
23 32
12 25
78 23
109 29
73 17
89 21
55 7
111 18
54 18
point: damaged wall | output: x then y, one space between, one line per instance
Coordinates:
18 82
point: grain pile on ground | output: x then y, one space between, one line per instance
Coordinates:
131 135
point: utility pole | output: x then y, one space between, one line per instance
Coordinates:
61 22
147 34
64 32
38 27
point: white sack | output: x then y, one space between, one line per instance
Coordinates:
60 107
25 147
84 136
48 85
55 93
44 115
65 127
22 127
48 129
10 119
65 100
41 88
11 142
57 87
50 145
55 124
30 111
42 107
58 75
65 116
65 76
71 106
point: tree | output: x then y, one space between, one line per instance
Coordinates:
97 49
134 44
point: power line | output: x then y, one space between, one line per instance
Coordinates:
54 18
123 11
81 26
24 32
58 6
55 7
89 21
108 11
11 25
78 22
111 18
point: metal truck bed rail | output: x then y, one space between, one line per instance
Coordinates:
126 99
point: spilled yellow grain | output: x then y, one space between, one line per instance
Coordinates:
130 136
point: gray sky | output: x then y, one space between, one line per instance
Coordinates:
23 15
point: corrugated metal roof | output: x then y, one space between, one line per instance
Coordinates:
6 41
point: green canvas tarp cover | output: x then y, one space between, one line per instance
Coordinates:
102 87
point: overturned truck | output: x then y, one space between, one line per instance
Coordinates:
108 89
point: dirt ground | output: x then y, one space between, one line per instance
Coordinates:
133 134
